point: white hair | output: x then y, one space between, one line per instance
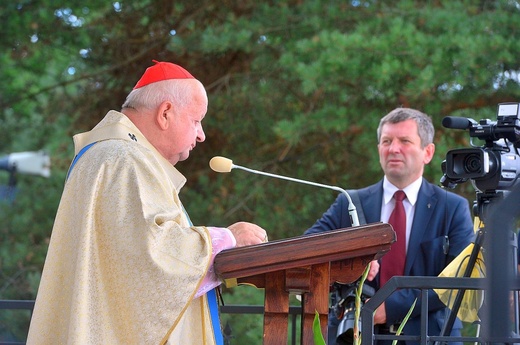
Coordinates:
152 95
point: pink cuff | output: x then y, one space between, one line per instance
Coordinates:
221 238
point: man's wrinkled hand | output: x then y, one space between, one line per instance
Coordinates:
248 233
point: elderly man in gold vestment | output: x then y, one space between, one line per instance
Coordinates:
125 265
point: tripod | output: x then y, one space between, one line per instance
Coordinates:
480 210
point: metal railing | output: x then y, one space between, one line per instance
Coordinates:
367 322
15 305
424 284
294 314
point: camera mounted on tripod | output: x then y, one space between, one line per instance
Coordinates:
496 164
345 307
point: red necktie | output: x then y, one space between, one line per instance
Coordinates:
392 263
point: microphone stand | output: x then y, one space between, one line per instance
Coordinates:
351 207
221 164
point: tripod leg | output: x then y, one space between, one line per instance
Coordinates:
448 325
516 318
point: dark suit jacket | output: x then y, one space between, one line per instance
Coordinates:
440 217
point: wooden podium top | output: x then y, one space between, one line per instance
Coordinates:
305 265
371 240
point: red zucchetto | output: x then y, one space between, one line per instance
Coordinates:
162 71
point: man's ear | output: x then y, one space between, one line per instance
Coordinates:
164 115
430 150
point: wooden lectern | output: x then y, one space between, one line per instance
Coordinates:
305 265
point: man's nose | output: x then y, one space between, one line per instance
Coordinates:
395 146
201 136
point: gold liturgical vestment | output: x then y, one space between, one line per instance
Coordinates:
123 264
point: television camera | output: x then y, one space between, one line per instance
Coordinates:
345 308
492 166
493 169
30 163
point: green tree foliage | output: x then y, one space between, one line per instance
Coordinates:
296 88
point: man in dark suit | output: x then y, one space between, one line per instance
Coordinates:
438 223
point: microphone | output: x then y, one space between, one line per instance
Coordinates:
456 122
224 165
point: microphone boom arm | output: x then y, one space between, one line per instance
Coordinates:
351 208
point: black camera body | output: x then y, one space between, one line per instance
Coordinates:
345 308
493 166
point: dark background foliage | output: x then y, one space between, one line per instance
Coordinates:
295 87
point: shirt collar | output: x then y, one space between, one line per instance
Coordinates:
412 190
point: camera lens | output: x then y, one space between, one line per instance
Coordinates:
472 163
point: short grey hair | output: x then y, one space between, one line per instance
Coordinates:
424 123
152 95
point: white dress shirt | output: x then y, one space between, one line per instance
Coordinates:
412 190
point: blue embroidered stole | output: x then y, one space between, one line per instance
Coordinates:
212 304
